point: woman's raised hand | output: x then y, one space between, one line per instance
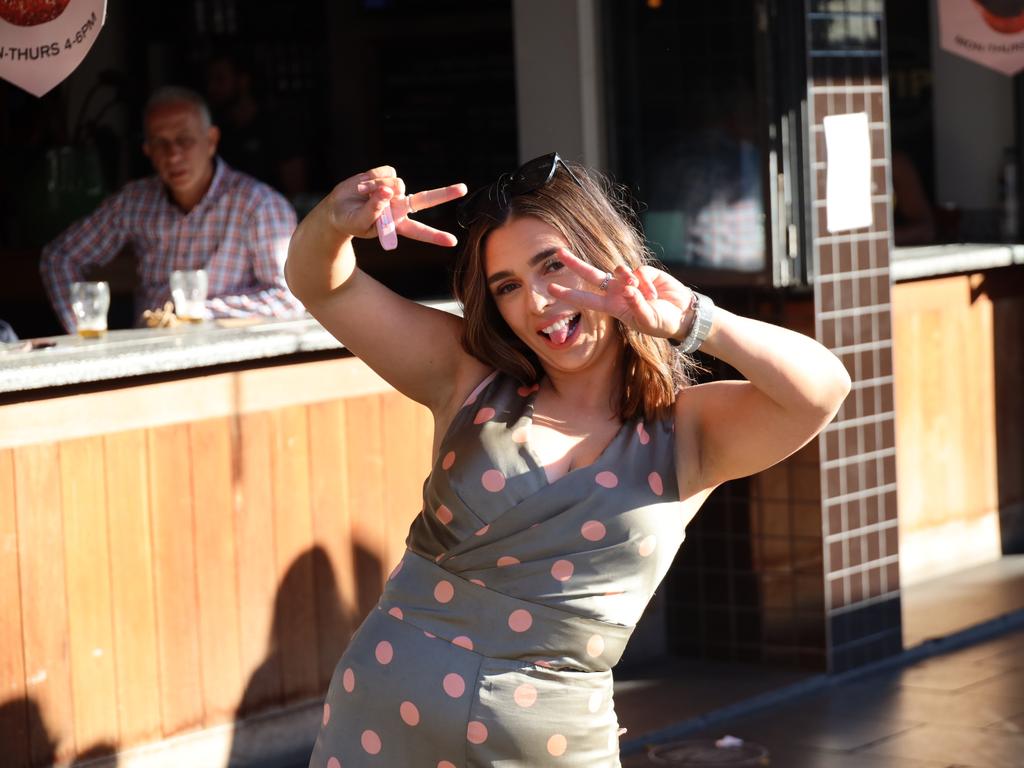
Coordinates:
647 299
358 202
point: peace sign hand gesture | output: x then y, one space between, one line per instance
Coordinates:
357 203
647 300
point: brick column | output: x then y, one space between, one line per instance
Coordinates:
846 67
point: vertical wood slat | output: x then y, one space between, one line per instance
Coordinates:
254 527
131 577
364 449
87 564
13 706
404 470
294 612
175 583
217 593
44 617
333 572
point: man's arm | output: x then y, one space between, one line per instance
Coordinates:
91 241
269 233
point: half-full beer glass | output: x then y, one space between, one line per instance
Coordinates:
188 289
90 302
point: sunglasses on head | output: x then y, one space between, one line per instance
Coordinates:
492 201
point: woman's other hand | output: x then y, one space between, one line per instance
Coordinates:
359 201
647 300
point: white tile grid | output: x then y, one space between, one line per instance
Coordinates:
837 425
865 602
876 162
857 237
818 204
840 89
864 493
842 346
847 461
865 565
836 314
878 527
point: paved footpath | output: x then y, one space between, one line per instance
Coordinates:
961 708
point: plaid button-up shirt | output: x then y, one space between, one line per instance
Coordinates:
238 233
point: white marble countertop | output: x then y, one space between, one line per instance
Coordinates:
933 260
65 360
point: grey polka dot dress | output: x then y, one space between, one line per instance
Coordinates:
494 639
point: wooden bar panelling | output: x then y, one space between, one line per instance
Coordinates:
333 573
170 483
90 610
131 581
944 399
365 451
13 706
947 465
257 575
216 571
44 609
294 614
184 573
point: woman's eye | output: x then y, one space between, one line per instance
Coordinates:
504 288
554 265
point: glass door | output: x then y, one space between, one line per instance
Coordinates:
706 126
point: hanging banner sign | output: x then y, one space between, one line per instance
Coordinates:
43 41
989 32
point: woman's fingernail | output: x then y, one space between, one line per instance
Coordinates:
362 187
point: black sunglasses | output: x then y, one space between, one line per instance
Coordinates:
492 201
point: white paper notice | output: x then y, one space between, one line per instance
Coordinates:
42 43
848 172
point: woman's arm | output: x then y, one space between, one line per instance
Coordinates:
793 388
414 348
725 429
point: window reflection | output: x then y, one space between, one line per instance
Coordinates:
690 131
706 206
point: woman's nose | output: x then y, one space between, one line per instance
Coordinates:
540 298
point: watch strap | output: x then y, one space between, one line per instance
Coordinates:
703 318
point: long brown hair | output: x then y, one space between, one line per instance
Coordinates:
599 226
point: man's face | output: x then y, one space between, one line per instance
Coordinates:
181 148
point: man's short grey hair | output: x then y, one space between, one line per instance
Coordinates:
176 94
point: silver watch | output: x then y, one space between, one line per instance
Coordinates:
703 318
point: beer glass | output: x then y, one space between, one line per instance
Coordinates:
90 302
188 289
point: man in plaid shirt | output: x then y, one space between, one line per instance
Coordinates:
195 213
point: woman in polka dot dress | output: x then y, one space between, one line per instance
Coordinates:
570 453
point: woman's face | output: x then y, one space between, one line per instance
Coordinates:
520 261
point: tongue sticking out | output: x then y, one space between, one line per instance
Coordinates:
559 335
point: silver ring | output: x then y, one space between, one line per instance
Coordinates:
604 283
408 201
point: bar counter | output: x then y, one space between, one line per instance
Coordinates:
144 351
958 360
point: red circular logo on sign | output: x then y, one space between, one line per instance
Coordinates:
29 13
1006 16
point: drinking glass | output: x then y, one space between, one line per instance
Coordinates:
188 289
90 302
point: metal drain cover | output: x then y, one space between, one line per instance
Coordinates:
697 754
